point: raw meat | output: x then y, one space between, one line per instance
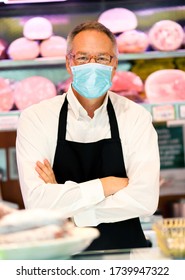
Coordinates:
49 232
23 49
132 41
128 84
6 95
53 47
28 219
30 225
124 81
165 86
118 19
32 90
37 28
166 35
63 86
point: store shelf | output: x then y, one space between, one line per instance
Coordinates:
9 120
152 55
8 63
55 61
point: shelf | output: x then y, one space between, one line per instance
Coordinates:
152 55
9 120
8 63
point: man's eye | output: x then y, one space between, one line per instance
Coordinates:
82 58
102 58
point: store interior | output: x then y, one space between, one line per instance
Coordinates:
168 115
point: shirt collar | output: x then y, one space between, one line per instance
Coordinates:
77 108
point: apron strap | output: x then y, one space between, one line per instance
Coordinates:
112 120
63 120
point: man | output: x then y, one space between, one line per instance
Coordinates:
89 152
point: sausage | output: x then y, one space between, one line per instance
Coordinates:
132 41
32 90
23 49
55 46
126 81
165 86
37 28
118 19
6 95
166 35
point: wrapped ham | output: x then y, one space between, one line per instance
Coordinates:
165 86
126 81
6 95
32 90
55 46
38 28
118 19
132 41
23 49
166 35
127 84
63 86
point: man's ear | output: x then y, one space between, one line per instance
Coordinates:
115 68
68 68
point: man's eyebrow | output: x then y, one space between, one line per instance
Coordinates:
98 53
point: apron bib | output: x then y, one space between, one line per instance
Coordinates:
80 162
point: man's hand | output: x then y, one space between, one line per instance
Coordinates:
111 184
45 172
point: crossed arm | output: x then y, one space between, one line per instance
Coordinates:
110 184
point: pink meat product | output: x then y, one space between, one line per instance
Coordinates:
126 81
118 19
49 232
32 90
3 49
23 49
166 35
63 86
6 95
38 28
25 219
132 41
165 86
55 46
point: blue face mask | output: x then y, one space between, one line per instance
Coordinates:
91 80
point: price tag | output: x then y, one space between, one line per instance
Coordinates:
182 111
163 112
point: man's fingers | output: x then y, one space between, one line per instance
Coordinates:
45 171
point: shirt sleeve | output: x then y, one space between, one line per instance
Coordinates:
32 145
140 197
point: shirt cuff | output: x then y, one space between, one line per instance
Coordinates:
92 192
85 219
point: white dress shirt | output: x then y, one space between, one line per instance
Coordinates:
85 202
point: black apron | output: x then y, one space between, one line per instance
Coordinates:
80 162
